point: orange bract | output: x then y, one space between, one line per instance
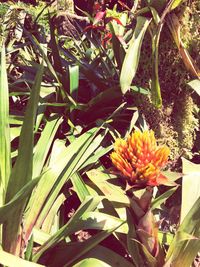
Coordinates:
140 159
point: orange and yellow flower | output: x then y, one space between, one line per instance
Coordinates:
140 159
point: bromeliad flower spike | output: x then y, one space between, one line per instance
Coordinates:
140 160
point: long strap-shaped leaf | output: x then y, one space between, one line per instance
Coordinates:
76 250
65 162
155 85
10 260
22 170
4 129
7 210
72 226
132 56
186 243
43 145
103 257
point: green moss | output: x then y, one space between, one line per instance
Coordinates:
175 124
189 16
186 123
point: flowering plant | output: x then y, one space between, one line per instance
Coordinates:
140 159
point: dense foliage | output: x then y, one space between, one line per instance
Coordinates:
99 133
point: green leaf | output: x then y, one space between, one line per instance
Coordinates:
165 238
102 221
65 161
39 236
195 85
138 89
155 85
10 260
118 49
152 262
74 81
18 120
132 56
76 250
50 218
58 66
29 249
112 192
11 206
106 256
79 186
14 132
44 144
162 198
155 15
133 247
190 186
72 226
5 156
176 3
186 243
22 170
97 155
91 262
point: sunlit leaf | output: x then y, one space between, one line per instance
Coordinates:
111 191
132 56
133 247
5 156
10 260
72 226
91 262
77 250
195 85
190 186
162 198
22 170
64 162
186 243
108 256
12 205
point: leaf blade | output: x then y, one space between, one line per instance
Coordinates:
131 60
5 154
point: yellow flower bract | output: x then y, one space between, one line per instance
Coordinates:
140 159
